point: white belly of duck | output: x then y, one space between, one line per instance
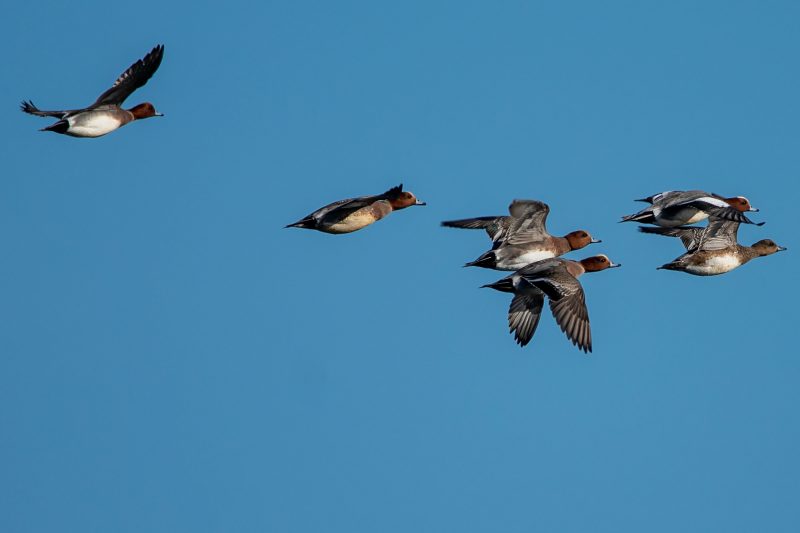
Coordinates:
92 125
515 263
718 264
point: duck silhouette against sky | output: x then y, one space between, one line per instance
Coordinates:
712 250
353 214
105 114
522 237
556 279
678 208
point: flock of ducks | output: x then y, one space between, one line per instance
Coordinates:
520 240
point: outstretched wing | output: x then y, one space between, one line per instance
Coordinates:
689 235
567 302
716 206
719 234
134 77
495 227
528 221
28 107
524 314
573 318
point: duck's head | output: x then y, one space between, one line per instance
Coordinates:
740 203
145 110
767 247
597 263
580 238
400 199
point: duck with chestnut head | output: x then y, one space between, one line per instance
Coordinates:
671 209
106 114
521 238
557 280
353 214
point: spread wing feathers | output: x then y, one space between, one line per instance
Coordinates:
719 234
524 314
28 107
528 221
495 226
134 77
689 235
573 318
728 213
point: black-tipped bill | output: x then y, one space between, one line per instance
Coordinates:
782 248
594 241
419 202
753 210
615 265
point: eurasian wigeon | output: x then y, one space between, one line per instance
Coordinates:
677 208
105 114
350 215
522 237
558 280
714 249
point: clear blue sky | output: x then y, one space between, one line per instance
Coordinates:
173 360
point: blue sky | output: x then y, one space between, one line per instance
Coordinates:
174 360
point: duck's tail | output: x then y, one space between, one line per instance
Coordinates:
674 265
645 217
487 260
307 223
62 126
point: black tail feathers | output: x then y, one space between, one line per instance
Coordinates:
307 223
487 260
644 217
59 127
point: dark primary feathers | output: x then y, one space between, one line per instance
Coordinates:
718 235
567 300
689 235
134 77
550 278
30 108
524 314
526 223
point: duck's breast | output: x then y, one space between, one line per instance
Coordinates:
359 219
715 264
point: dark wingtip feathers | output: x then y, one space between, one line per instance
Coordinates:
26 106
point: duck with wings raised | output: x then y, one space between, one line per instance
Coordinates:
557 279
521 238
712 250
106 114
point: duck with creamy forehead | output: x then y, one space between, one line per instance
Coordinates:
353 214
678 208
521 238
